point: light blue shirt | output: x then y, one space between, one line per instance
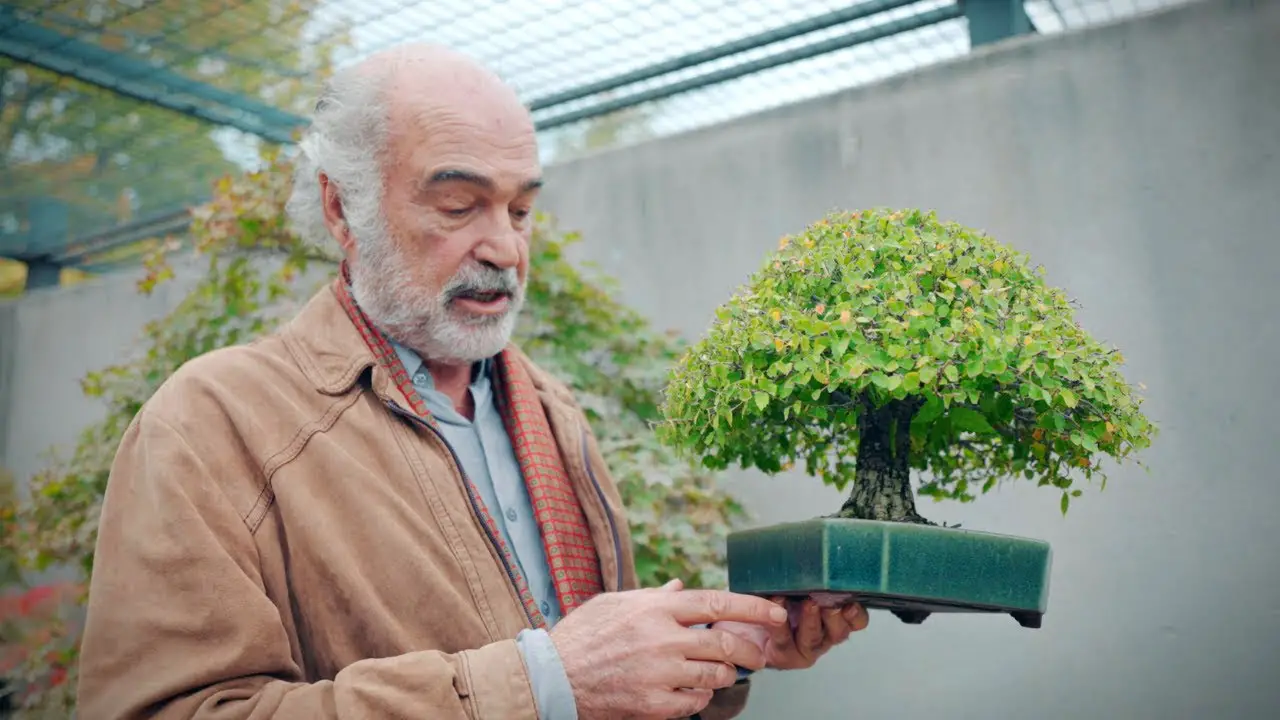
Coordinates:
487 457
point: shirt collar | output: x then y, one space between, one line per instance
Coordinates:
413 363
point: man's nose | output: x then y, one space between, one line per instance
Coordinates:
500 246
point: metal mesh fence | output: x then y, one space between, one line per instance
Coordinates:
121 112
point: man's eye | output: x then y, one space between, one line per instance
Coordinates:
457 212
520 214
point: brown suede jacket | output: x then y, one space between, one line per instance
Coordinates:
277 542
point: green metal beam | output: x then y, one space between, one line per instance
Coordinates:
855 11
995 20
32 43
832 44
41 273
159 225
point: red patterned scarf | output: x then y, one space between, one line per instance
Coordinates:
575 566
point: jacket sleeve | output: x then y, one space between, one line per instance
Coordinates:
179 623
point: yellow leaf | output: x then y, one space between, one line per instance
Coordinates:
778 345
783 243
777 315
1026 340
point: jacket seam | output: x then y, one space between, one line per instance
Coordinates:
290 452
470 699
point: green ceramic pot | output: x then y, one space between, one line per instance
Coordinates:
909 569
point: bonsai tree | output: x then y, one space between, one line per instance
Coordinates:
880 342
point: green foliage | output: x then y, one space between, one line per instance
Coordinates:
255 273
109 158
863 309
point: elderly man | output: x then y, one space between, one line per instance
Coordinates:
384 510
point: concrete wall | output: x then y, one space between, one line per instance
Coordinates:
49 340
1139 164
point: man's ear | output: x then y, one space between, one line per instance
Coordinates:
334 215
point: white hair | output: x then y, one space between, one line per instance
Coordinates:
347 141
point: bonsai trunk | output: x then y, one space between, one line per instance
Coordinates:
882 482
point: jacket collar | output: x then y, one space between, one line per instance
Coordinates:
326 345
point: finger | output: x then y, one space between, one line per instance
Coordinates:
784 636
675 584
857 617
707 606
683 702
809 634
836 626
701 675
713 645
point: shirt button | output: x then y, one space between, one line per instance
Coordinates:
511 514
546 608
420 378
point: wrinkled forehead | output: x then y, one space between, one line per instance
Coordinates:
474 129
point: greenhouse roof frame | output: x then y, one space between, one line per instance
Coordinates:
145 65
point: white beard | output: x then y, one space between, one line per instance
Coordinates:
424 322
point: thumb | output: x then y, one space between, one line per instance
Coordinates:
674 585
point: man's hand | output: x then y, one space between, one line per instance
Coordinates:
814 630
634 655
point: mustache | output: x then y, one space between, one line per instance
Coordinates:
478 279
